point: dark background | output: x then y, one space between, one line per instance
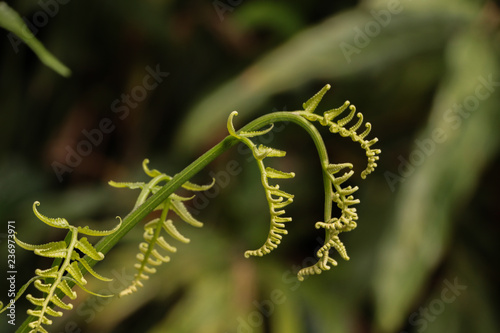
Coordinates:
424 255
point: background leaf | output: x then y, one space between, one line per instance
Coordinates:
11 21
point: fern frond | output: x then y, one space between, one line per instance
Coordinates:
198 188
66 289
151 173
59 303
33 247
83 245
129 185
342 196
339 127
313 102
149 256
59 274
342 179
169 227
346 222
47 273
180 209
150 251
334 168
91 232
76 273
59 250
329 115
324 257
273 173
90 269
82 287
57 222
262 152
251 134
276 198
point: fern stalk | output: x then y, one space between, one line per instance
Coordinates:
134 217
302 118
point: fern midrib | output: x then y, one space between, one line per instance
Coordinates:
62 270
151 245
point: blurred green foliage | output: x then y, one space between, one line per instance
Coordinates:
424 73
20 32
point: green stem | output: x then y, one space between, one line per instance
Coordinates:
137 215
199 164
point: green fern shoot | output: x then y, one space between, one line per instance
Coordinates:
341 196
158 194
148 255
60 277
334 180
277 199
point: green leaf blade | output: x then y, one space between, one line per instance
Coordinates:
10 20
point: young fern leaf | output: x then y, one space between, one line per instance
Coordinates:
339 127
152 250
342 196
276 198
334 226
55 278
67 269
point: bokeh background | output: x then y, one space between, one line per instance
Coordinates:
425 73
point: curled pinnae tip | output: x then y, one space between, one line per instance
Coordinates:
230 126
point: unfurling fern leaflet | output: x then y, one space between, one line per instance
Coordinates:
334 178
149 254
63 273
277 199
342 196
338 126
